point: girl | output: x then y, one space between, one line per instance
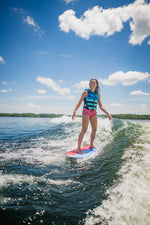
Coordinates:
91 97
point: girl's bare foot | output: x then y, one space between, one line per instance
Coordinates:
80 151
92 146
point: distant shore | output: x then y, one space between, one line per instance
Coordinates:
131 116
52 115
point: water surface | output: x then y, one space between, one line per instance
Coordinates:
38 185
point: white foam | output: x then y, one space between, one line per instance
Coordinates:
128 201
42 150
13 179
7 180
65 119
104 132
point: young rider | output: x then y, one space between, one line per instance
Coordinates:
91 97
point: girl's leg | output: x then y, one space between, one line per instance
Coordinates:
85 123
93 122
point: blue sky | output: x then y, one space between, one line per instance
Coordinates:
50 49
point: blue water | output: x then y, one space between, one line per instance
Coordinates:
39 185
13 127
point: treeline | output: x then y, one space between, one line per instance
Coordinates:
30 115
131 116
119 116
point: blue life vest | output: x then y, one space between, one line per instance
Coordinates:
90 102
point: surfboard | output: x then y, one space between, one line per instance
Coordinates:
87 152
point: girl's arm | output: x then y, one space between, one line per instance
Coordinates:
102 107
84 95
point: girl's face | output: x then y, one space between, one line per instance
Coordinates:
93 84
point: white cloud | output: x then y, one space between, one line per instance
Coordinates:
30 21
32 105
129 78
144 108
2 107
48 97
130 109
140 23
68 1
20 108
82 85
139 92
41 91
4 82
2 61
6 90
105 22
53 85
33 108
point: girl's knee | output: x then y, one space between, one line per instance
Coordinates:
84 130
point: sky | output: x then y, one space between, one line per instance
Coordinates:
50 49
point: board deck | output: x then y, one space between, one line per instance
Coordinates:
87 152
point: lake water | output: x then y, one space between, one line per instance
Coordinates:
39 185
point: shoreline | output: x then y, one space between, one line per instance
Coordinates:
52 115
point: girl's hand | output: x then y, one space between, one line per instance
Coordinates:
109 116
74 115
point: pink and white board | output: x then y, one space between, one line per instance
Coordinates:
87 152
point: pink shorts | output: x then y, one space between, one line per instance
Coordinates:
89 112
